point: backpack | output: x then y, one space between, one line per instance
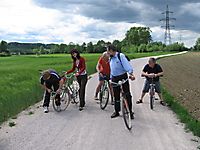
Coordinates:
118 55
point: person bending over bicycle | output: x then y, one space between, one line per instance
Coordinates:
48 79
152 71
103 68
119 69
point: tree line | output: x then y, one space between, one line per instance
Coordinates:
137 39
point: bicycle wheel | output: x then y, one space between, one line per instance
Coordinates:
104 96
151 102
126 114
75 91
64 101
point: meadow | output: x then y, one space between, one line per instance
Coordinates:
19 78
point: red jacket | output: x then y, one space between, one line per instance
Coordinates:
81 66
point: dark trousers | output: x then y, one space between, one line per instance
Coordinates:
82 81
47 95
126 90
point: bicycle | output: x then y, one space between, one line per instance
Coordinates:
71 87
104 94
152 93
64 101
125 107
69 93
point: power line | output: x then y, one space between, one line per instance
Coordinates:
167 20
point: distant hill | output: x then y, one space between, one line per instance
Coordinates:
27 48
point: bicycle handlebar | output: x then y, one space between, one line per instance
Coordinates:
119 82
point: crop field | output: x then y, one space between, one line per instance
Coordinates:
182 80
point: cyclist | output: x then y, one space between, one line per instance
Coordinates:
120 66
81 74
103 68
152 70
48 79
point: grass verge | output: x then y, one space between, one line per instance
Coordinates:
190 122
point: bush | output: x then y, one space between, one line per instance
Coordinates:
3 54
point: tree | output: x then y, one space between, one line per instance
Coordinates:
90 47
117 44
36 51
4 47
142 48
197 45
137 36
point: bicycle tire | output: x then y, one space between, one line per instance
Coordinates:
151 102
126 114
64 101
104 96
75 92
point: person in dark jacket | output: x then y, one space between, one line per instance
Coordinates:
49 79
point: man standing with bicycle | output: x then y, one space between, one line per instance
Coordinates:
152 71
120 66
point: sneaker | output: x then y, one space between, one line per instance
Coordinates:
58 108
46 110
114 115
80 108
163 103
96 98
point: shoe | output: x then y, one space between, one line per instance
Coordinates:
163 103
80 108
132 115
96 98
114 115
58 108
139 101
46 110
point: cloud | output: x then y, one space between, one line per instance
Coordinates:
81 21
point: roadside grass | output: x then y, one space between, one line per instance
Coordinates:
190 122
19 78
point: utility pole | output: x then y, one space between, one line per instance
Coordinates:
167 20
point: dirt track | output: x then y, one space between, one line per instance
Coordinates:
182 79
93 129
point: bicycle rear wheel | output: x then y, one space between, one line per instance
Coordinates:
126 114
64 101
104 96
151 102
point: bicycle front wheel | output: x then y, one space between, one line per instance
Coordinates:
64 101
151 102
104 96
126 114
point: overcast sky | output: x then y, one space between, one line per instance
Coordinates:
78 21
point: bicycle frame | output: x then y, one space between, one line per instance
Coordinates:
125 106
68 86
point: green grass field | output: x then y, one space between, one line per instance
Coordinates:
19 78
